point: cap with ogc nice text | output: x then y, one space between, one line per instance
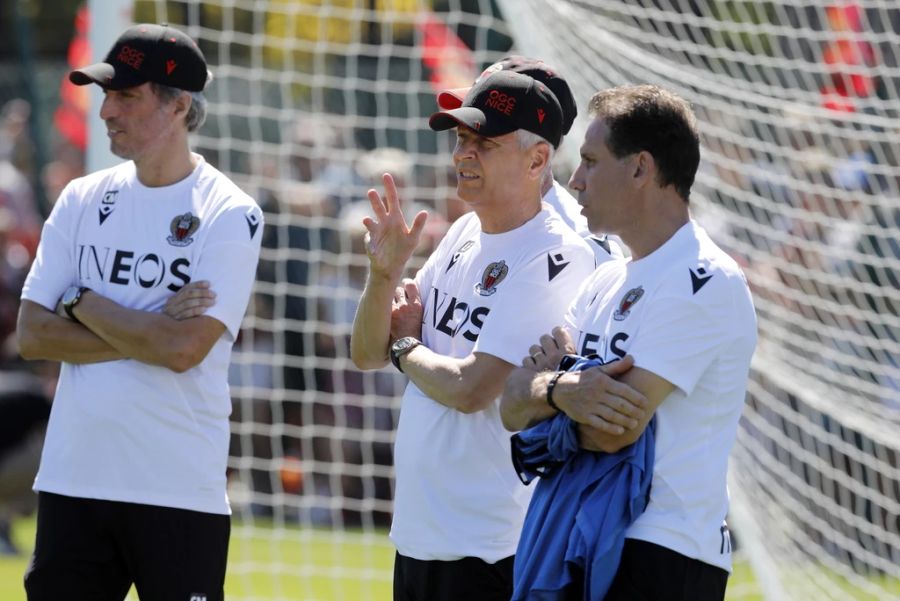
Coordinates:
503 102
532 67
148 52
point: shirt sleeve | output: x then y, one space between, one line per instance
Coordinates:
679 338
54 266
229 261
532 305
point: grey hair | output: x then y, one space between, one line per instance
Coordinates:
527 139
196 114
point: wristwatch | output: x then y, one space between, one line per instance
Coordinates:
400 347
70 298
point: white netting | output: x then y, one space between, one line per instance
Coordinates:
798 102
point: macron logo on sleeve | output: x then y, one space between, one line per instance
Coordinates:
699 279
107 205
555 264
252 222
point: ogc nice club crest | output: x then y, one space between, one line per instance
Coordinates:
493 275
182 227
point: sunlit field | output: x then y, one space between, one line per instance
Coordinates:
311 565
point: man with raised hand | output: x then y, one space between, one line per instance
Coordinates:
553 193
132 476
499 278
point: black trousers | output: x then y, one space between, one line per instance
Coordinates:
466 579
650 572
91 550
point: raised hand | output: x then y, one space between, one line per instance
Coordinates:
389 240
192 300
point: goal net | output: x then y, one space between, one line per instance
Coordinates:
798 102
798 105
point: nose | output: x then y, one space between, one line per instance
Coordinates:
576 182
107 108
463 149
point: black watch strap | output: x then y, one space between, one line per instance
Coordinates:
69 304
400 347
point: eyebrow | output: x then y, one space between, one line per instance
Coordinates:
464 132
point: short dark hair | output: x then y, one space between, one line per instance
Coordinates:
650 118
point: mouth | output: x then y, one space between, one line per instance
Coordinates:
466 175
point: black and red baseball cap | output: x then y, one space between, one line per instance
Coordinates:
148 52
532 67
503 102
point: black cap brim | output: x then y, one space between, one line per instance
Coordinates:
471 117
105 76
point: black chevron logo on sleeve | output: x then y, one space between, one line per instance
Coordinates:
555 264
699 279
252 223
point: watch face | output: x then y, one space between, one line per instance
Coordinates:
69 295
403 344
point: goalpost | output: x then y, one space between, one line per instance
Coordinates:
798 103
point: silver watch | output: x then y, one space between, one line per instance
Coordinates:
400 347
70 298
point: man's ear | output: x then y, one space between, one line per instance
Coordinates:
643 168
182 104
540 156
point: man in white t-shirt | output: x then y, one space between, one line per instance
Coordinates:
682 309
499 278
132 476
554 193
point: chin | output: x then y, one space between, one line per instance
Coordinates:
467 196
119 152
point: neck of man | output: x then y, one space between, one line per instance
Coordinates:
171 163
658 220
507 217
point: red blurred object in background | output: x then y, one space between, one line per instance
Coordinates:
849 58
70 117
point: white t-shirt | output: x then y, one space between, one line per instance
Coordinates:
685 313
125 430
606 248
457 493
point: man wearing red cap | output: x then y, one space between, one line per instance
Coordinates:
132 477
499 278
553 193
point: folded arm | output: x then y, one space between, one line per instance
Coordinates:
43 334
468 385
612 403
153 338
178 338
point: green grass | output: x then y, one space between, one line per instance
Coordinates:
268 564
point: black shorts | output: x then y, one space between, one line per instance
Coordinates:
650 572
91 550
466 579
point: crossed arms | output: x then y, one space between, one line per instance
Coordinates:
612 404
178 338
